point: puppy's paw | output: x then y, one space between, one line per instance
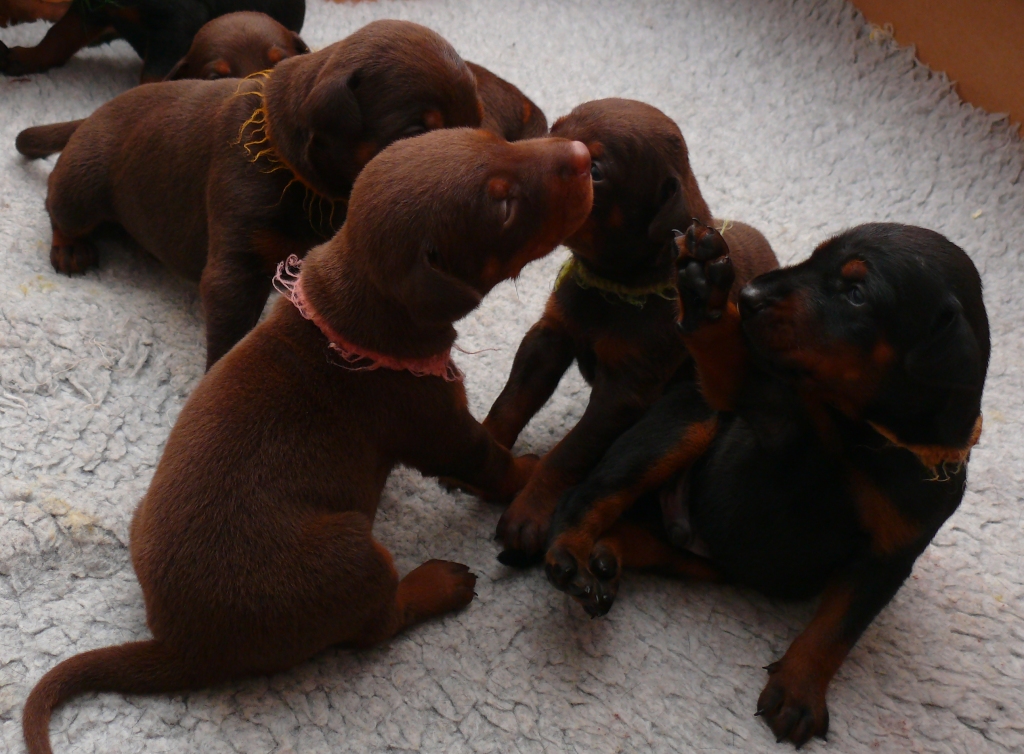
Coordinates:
593 586
9 63
435 588
523 467
793 705
523 531
72 256
704 275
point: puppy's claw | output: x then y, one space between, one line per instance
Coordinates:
517 558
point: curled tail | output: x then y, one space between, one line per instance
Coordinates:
140 667
42 141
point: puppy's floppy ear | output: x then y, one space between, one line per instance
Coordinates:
432 295
178 71
948 356
301 48
673 214
331 106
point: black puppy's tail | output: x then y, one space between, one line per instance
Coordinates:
42 141
141 667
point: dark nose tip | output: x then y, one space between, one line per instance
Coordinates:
578 161
752 300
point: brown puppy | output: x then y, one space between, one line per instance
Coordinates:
25 11
614 307
222 180
253 546
507 111
237 45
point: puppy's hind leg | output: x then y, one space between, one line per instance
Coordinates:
345 589
72 256
76 208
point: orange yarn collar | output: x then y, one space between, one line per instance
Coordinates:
935 456
288 281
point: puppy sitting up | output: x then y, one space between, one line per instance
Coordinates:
614 307
253 545
237 45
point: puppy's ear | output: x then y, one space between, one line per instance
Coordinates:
301 48
178 71
432 295
949 355
673 214
332 113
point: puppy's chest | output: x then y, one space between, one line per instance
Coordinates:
304 215
637 342
782 504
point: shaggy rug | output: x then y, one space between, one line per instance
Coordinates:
801 120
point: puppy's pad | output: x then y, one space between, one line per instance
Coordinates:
799 121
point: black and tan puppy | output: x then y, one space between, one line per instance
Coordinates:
614 309
507 111
237 45
842 398
160 31
253 545
222 180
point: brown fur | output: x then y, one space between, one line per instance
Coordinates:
160 31
253 545
237 45
507 111
26 11
222 180
644 189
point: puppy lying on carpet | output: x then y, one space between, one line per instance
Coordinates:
614 307
160 31
253 546
223 180
237 45
838 405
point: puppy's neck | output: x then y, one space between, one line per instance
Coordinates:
351 304
260 142
633 286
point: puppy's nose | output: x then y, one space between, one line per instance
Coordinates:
577 161
752 300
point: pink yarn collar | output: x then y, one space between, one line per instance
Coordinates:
288 281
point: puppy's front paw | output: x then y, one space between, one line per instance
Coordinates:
793 705
72 256
9 63
520 473
593 586
523 530
704 275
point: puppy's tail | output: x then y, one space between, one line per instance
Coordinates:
141 667
42 141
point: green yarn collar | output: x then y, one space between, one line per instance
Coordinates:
611 291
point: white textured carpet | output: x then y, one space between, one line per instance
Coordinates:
797 121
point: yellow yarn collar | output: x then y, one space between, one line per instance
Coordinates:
609 289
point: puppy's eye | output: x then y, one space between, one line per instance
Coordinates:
506 212
414 130
855 296
214 75
596 171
